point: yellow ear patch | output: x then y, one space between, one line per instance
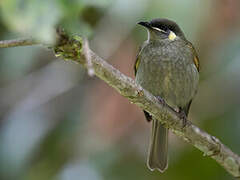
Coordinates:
172 36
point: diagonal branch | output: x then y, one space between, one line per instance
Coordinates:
73 48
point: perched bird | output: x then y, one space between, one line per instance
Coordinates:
167 66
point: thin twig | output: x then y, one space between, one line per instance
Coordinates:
88 58
72 48
18 42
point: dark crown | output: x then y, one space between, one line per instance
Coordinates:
166 25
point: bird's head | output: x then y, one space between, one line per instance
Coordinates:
162 29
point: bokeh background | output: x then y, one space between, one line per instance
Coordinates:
58 123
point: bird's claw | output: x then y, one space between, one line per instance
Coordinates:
181 112
183 117
216 151
161 100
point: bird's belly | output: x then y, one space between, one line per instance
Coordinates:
176 81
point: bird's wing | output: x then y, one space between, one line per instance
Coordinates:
137 61
195 56
136 65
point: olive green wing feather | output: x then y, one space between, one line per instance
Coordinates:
138 58
137 61
136 65
195 56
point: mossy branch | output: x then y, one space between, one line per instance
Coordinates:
75 49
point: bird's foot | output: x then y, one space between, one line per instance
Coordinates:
164 103
161 100
217 151
183 117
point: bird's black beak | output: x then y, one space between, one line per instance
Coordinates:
145 24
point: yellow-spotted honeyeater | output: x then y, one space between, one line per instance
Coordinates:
167 66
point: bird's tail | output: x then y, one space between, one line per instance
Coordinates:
158 151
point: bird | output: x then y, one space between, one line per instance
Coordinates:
167 65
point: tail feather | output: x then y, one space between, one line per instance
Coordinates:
158 151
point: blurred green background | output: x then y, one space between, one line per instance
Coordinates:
58 123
